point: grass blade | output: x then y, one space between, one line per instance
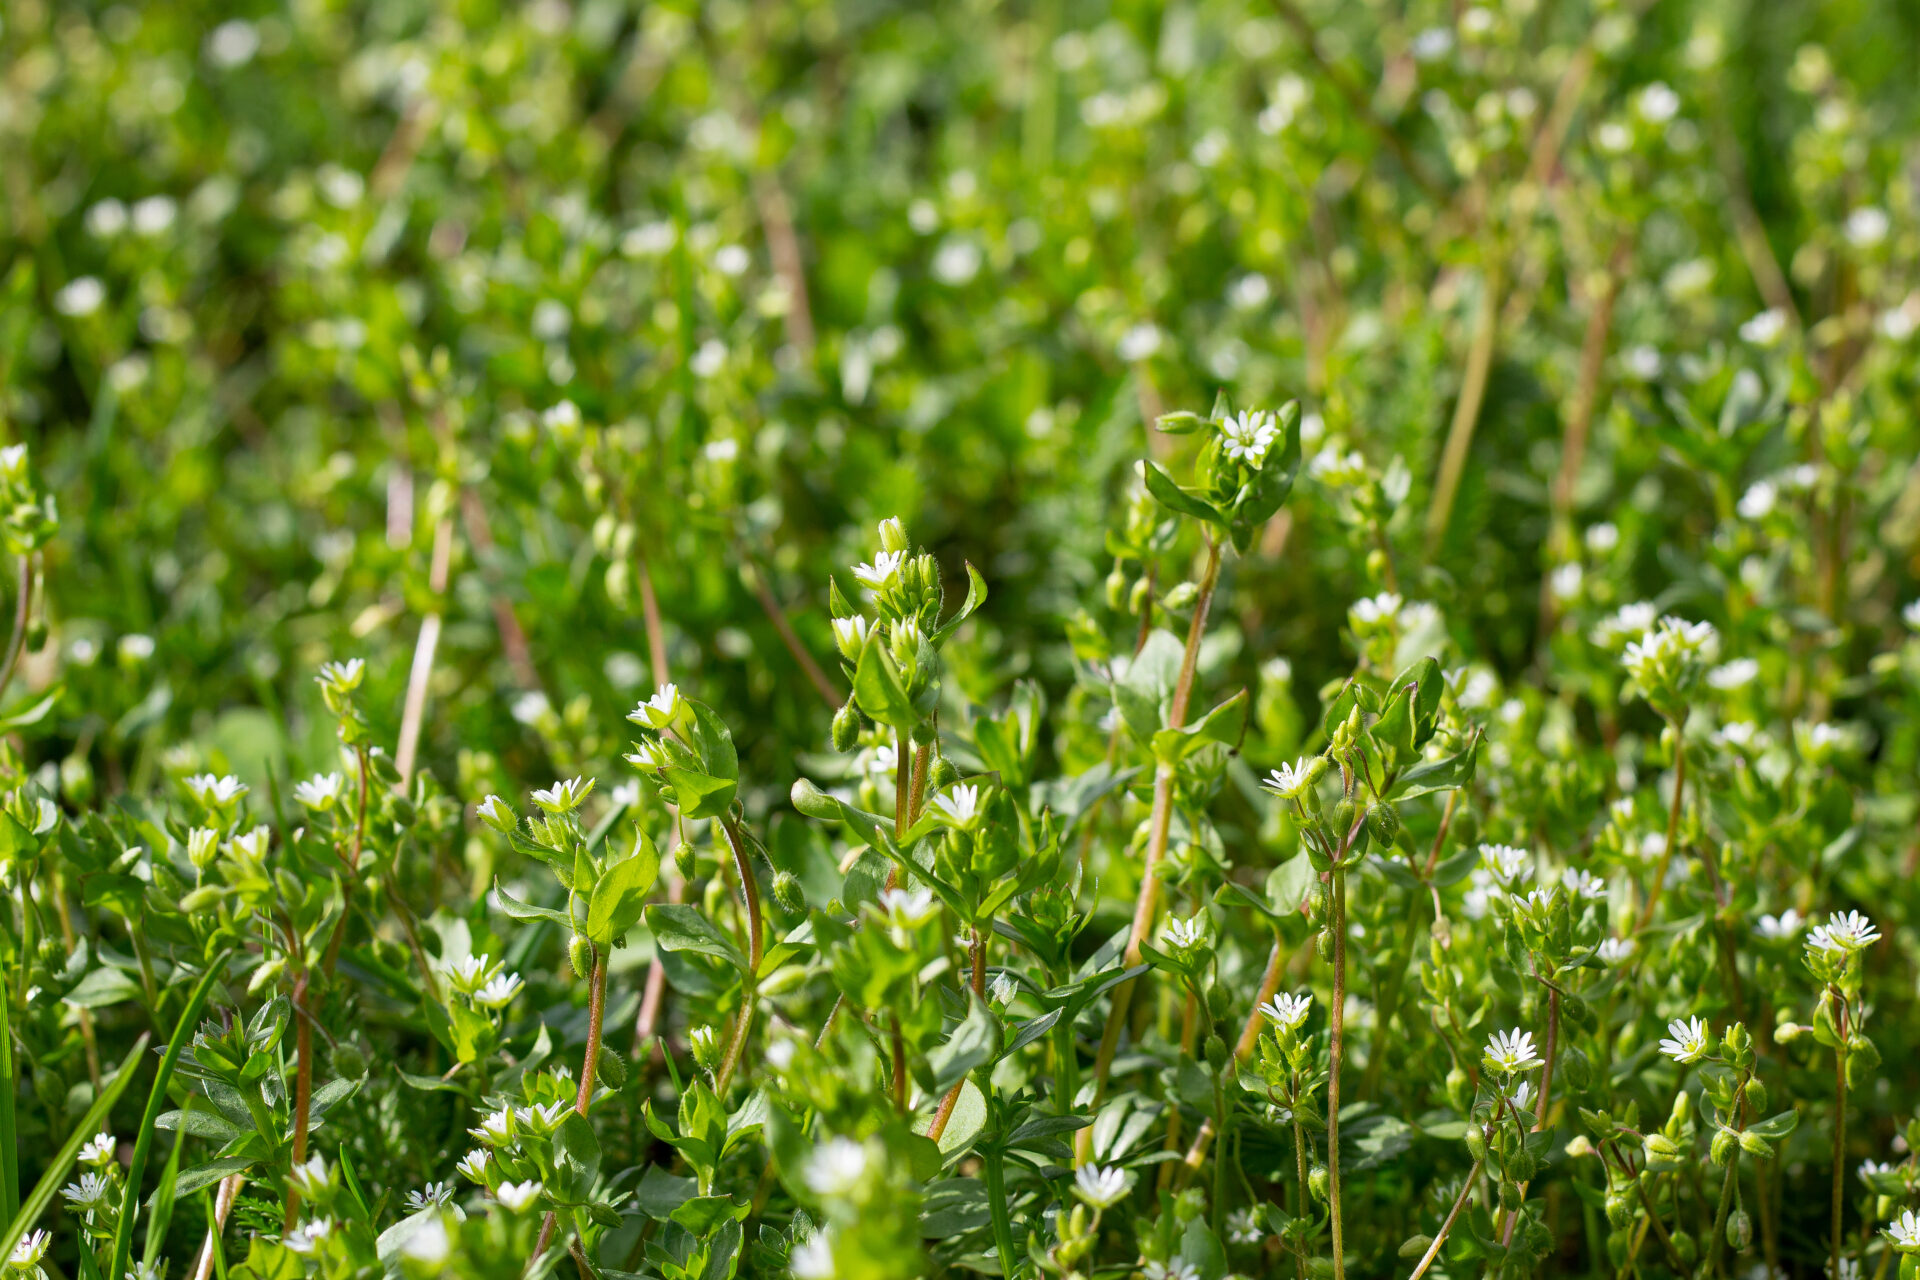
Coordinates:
156 1099
160 1206
36 1204
9 1143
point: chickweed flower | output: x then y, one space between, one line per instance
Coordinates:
473 1165
499 991
1687 1040
661 710
1100 1186
564 797
320 792
1508 864
1185 935
1846 932
99 1150
1248 435
1904 1232
216 793
959 805
518 1197
836 1166
1510 1052
29 1250
850 635
87 1194
882 573
1287 1011
497 813
1290 781
432 1196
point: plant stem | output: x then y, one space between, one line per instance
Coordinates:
977 953
22 607
1161 822
756 946
1249 1037
1459 1203
9 1140
1839 1127
596 1014
1337 1023
302 1087
1466 410
994 1163
1673 829
414 712
822 684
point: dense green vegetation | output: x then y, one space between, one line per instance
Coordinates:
1163 640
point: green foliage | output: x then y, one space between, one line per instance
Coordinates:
1393 751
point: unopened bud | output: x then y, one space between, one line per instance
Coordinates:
612 1068
846 727
580 952
1739 1230
787 892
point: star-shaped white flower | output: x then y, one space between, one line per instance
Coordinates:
1512 1051
473 1165
1100 1186
432 1196
1584 884
1509 864
216 792
1242 1228
1248 435
99 1149
959 804
1843 932
1904 1232
1287 1011
1687 1040
1290 781
88 1194
882 573
320 792
517 1197
499 991
661 710
1781 927
836 1166
1185 935
564 797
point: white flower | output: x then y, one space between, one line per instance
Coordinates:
812 1258
836 1166
1507 863
216 792
473 1165
433 1195
307 1237
1287 1010
428 1243
1869 1168
960 804
544 1118
470 972
1781 927
709 359
1248 435
1384 607
31 1248
850 634
1614 950
81 297
1185 935
1584 884
1642 361
1169 1271
1850 932
1626 622
905 908
1904 1231
1512 1051
89 1193
1687 1042
1765 329
1290 781
732 260
1003 988
1520 1097
1657 103
1867 226
1849 1270
1242 1228
517 1197
496 812
1734 675
1432 44
1603 537
496 1130
564 797
1758 501
320 792
1100 1187
1139 342
1670 651
310 1178
499 992
99 1149
343 676
881 574
661 710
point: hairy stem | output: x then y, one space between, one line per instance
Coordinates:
1453 1215
756 947
977 954
1839 1128
1337 1023
302 1087
1148 902
994 1162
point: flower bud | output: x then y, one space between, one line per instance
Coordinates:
1739 1230
1720 1150
1661 1147
1137 598
612 1068
1755 1145
1116 588
1476 1142
580 952
1619 1210
846 727
1383 823
944 774
1181 598
1216 1051
1317 1182
893 535
1459 1085
1756 1097
787 892
685 859
1684 1248
1509 1194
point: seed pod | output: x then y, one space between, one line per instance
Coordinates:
1619 1210
580 952
1216 1051
1137 598
1383 823
1756 1097
1739 1230
1317 1182
1661 1147
1459 1085
612 1068
1721 1149
1509 1194
945 773
846 727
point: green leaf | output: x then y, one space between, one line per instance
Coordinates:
519 910
1178 500
1774 1128
1146 686
976 596
157 1099
103 986
1289 884
974 1043
682 928
620 896
1437 775
203 1176
1224 724
43 1192
877 688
